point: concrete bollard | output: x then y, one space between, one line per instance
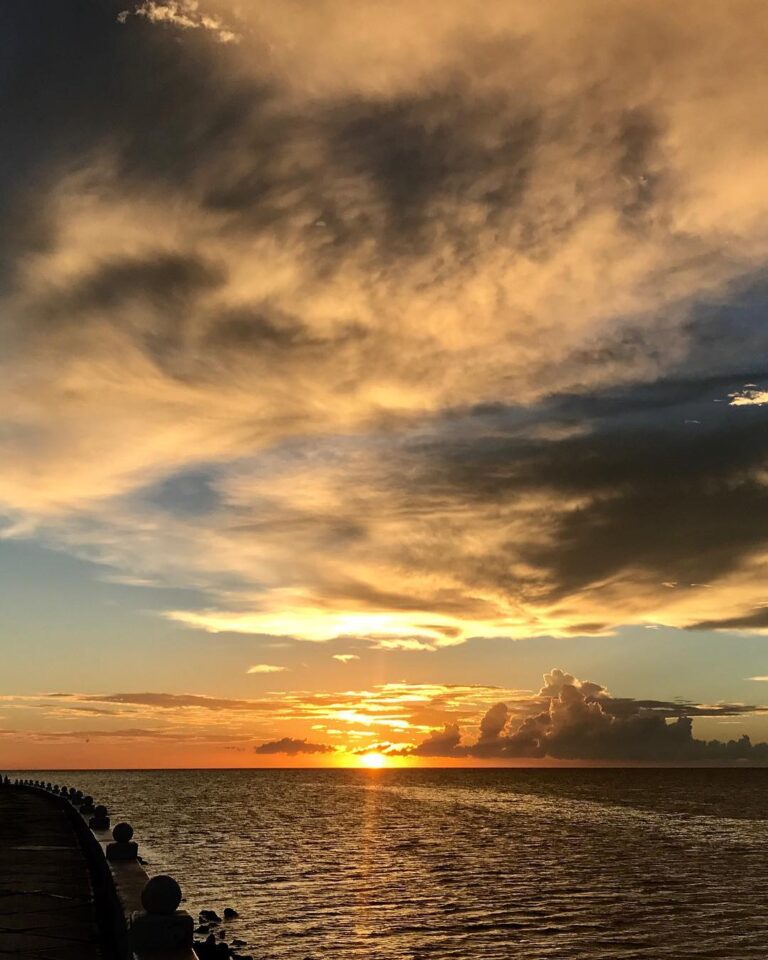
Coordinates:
100 818
123 846
161 925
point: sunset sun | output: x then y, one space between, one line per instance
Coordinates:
374 761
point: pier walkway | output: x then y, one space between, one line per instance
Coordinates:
47 909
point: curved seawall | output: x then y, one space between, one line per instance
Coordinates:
74 888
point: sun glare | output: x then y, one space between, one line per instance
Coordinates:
373 761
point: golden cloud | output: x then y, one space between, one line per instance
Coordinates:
299 275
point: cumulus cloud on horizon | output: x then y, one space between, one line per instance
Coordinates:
582 721
360 328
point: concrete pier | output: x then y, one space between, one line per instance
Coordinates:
47 906
71 888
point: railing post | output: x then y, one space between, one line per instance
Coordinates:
161 926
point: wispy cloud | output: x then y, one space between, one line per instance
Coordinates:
566 718
265 668
291 747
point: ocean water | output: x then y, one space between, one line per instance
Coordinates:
438 864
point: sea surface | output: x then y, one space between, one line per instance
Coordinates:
470 864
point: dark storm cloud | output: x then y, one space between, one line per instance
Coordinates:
187 119
77 80
493 722
291 747
581 721
443 743
184 117
684 501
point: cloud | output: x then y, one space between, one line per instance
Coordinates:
424 298
752 622
180 13
440 743
265 668
139 733
347 716
580 720
170 701
292 747
749 396
567 718
345 657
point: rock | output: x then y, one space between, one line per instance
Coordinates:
210 915
203 928
211 950
237 942
230 914
206 950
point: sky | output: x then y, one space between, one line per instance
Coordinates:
383 383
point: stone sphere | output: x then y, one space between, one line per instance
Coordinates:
161 895
122 832
101 811
87 801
